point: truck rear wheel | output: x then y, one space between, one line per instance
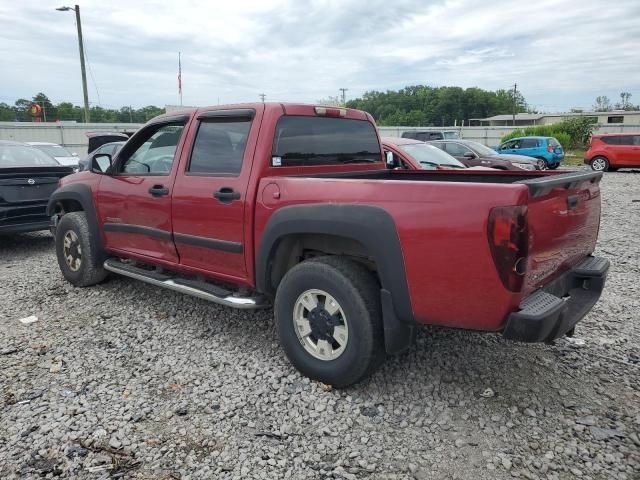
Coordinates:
329 320
76 251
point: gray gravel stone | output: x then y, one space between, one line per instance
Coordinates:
153 384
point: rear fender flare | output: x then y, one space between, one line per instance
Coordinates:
371 226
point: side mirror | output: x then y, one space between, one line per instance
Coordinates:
391 163
101 163
469 155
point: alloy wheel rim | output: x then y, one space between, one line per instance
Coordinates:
320 324
72 250
598 164
542 164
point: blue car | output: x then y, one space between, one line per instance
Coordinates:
547 150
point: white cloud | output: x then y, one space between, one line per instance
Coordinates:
561 53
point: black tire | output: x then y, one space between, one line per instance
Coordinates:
599 164
88 271
542 163
358 294
554 166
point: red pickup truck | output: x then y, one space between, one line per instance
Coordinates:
292 206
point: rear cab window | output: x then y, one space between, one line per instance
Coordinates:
311 141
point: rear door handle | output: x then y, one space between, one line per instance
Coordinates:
159 190
226 195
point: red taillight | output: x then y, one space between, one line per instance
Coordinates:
330 112
550 148
509 243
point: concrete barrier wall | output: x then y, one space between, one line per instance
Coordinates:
73 135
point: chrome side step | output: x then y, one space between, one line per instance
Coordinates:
209 291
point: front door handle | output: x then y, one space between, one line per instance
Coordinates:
159 190
226 195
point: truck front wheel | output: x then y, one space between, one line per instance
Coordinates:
76 251
329 320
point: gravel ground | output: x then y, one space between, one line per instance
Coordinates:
124 380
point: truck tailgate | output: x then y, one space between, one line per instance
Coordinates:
563 222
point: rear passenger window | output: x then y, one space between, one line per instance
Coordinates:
528 143
619 140
308 141
219 147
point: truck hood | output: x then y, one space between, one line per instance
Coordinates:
67 161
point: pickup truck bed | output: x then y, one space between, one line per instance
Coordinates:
292 205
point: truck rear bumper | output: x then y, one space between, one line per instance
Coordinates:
552 311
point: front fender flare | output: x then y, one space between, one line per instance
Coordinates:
82 194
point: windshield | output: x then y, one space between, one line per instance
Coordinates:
481 149
428 155
54 150
14 156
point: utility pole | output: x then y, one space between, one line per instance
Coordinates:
82 69
515 91
130 115
262 96
85 92
344 96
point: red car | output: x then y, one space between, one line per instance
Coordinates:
292 205
416 155
611 151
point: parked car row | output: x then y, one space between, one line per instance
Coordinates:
607 152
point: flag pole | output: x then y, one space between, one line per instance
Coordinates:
180 77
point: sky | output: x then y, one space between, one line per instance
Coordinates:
562 54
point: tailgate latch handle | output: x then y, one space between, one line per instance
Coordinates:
572 201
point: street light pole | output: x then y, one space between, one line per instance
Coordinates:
76 8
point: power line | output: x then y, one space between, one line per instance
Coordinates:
93 79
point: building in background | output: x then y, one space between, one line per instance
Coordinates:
529 119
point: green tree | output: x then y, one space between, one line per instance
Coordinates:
625 103
49 110
330 102
22 106
420 105
7 113
69 112
602 104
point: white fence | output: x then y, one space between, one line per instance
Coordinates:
491 136
73 135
